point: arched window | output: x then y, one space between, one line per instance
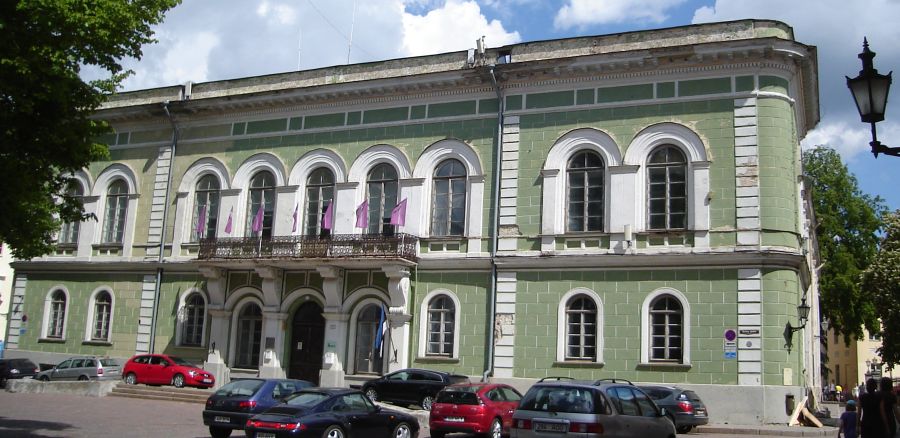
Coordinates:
68 233
249 336
319 194
381 188
666 329
194 319
261 205
206 208
102 316
57 321
370 339
667 189
585 189
116 209
441 319
581 329
448 217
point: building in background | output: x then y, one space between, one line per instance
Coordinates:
625 206
6 280
851 364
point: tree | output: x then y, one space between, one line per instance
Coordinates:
847 225
46 108
882 280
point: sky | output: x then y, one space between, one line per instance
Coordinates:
208 40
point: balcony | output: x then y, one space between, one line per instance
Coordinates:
339 246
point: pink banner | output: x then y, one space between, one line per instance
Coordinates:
294 226
328 219
398 214
362 215
228 224
201 222
258 220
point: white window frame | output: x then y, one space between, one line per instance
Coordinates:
90 323
235 317
562 329
555 181
111 174
299 176
697 176
685 329
242 177
186 197
48 310
423 323
181 321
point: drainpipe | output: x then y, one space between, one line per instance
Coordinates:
162 236
495 222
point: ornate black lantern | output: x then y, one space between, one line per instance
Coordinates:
870 92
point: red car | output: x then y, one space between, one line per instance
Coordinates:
481 408
162 369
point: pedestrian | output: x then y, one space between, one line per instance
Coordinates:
847 422
889 410
840 392
871 424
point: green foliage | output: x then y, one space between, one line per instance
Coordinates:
882 280
848 222
46 108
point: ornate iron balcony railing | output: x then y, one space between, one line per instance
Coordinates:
377 246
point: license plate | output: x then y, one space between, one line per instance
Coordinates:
265 435
222 419
207 380
454 419
551 427
701 412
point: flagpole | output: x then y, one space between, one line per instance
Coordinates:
352 25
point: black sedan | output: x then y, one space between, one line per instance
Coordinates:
411 386
330 413
232 405
683 406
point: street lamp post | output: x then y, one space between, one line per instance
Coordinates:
803 315
870 92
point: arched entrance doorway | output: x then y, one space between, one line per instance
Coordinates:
369 345
307 342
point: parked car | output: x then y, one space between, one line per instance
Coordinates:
684 407
82 368
233 404
331 413
162 369
608 408
16 369
479 408
410 386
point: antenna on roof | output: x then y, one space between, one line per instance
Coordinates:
299 49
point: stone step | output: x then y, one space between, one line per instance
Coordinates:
162 393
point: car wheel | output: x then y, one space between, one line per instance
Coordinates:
372 394
219 432
178 381
402 431
684 429
82 378
131 379
334 431
44 379
426 402
496 430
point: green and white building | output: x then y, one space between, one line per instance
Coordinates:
608 206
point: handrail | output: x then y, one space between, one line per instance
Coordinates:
399 245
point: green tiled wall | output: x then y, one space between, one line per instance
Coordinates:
712 295
126 290
781 295
471 290
778 166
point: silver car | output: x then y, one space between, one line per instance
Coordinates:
605 408
83 368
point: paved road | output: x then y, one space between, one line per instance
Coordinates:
61 415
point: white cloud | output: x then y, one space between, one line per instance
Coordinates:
580 13
277 13
455 26
850 140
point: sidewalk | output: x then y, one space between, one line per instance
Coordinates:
767 430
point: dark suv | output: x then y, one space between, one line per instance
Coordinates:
411 386
609 408
16 369
684 407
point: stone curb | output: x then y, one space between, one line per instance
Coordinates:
97 388
727 429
